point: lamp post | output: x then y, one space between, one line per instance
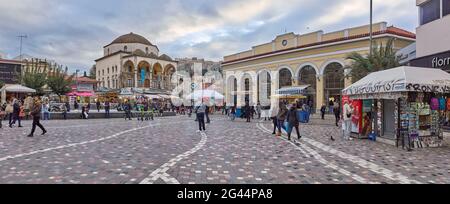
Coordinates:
21 41
371 29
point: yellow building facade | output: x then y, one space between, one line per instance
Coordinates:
314 59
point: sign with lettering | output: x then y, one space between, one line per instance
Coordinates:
439 61
9 73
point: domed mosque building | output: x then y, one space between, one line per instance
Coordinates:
132 61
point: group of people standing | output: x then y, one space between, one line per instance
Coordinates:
18 109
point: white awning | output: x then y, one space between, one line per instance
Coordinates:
401 79
17 89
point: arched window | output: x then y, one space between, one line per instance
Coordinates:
285 78
107 70
103 72
108 51
98 72
146 50
308 76
334 80
125 48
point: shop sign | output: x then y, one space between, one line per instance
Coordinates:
9 73
378 87
439 61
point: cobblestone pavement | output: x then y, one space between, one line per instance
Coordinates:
169 150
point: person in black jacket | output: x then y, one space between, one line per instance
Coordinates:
293 121
248 113
36 113
15 114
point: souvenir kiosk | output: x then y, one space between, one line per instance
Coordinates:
408 104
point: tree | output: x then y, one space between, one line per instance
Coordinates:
59 81
35 75
2 83
92 72
382 58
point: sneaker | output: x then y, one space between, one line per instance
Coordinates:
43 133
199 131
30 135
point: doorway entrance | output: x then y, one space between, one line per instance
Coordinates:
389 119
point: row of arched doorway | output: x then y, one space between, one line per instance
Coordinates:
333 76
148 76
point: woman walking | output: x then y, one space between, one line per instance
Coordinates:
281 117
36 114
293 121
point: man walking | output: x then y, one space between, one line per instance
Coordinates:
36 114
98 105
200 111
247 111
207 115
107 108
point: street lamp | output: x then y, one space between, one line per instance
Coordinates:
371 29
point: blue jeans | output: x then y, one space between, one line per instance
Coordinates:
280 125
46 116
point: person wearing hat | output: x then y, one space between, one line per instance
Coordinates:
36 114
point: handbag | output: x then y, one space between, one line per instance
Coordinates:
9 109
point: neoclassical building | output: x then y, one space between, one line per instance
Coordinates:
316 59
131 61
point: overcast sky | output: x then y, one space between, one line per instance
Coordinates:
73 32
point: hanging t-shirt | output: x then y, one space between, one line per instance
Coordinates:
434 104
442 103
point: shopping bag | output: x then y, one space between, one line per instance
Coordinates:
287 126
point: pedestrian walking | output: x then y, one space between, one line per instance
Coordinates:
293 122
45 110
64 111
200 112
273 116
83 112
247 112
207 114
98 104
36 114
323 109
331 106
281 117
2 113
15 114
68 106
75 105
233 113
9 110
28 103
107 108
348 112
337 113
258 110
127 109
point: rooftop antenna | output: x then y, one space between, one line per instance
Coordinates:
21 41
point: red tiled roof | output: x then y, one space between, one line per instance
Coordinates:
390 30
